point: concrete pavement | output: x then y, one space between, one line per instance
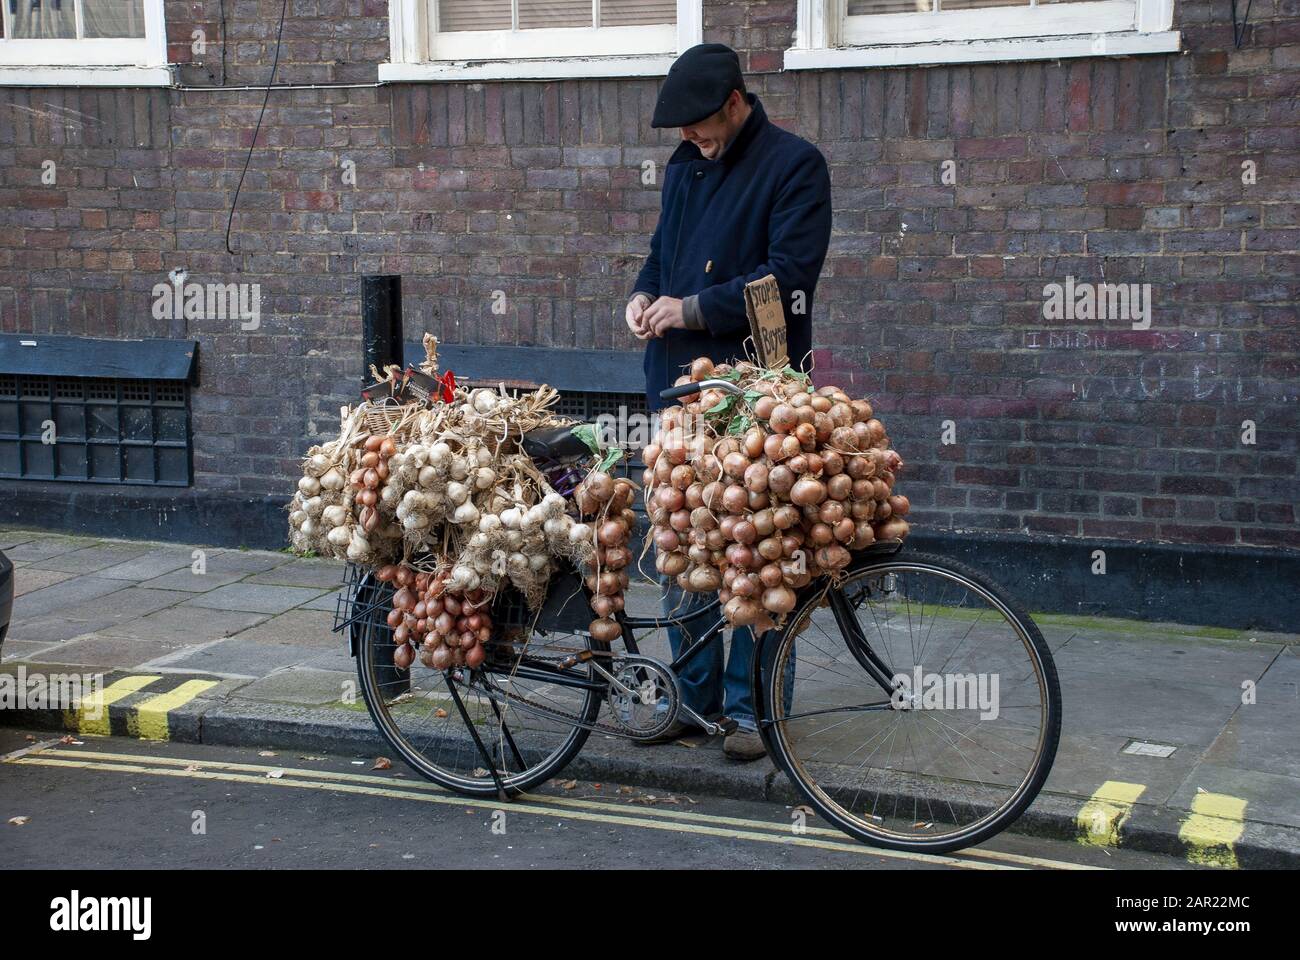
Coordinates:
234 647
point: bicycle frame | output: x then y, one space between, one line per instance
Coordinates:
551 673
857 642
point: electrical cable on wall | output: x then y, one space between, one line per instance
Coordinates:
275 62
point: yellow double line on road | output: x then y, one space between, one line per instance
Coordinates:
677 821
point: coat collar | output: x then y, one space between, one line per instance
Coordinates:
749 131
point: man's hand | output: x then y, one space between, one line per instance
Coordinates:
663 315
635 316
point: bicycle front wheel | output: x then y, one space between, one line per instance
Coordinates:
914 705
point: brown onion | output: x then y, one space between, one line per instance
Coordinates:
780 479
735 464
605 630
807 490
735 498
742 611
779 599
403 656
784 418
785 516
839 487
671 563
705 579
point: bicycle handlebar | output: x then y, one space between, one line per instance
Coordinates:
686 389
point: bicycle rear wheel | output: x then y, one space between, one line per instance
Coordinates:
925 709
443 722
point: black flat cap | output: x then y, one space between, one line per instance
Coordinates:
697 85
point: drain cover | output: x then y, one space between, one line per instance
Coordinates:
1144 748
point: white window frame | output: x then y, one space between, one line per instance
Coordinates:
826 37
417 52
91 61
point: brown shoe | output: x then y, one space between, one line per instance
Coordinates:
743 745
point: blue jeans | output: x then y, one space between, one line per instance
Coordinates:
709 687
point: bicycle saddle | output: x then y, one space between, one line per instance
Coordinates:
555 443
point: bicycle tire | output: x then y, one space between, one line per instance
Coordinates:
767 688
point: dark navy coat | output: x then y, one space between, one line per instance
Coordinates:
763 207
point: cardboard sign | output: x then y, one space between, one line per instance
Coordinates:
767 321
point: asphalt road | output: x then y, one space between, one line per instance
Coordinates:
114 802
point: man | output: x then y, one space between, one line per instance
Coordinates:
742 198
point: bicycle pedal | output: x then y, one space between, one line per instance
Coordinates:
727 726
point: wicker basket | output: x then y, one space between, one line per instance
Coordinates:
393 420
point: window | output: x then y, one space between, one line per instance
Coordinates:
83 43
537 39
839 33
94 429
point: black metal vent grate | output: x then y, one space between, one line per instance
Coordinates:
95 430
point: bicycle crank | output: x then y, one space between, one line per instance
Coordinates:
643 695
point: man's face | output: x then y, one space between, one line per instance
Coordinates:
713 134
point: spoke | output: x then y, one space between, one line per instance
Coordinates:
977 743
858 708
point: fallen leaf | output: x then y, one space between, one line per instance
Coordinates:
275 774
625 790
440 713
568 784
595 786
479 772
18 821
69 741
806 810
651 798
29 738
308 756
192 768
266 753
382 763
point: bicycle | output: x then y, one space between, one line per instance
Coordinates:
844 702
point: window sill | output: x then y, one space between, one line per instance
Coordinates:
984 51
15 75
655 65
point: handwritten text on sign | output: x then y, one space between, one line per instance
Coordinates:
767 321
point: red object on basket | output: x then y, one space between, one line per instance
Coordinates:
448 381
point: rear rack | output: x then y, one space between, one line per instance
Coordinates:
360 597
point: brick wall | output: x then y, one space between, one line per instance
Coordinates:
1106 170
